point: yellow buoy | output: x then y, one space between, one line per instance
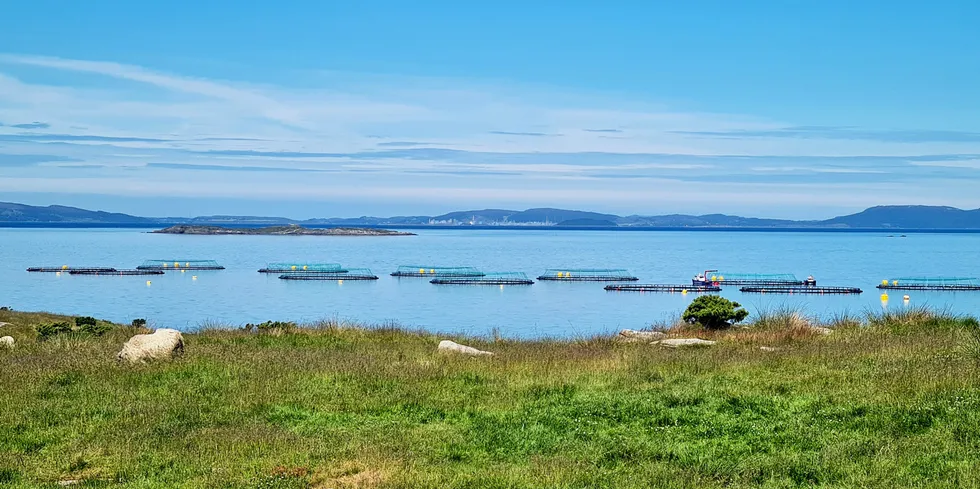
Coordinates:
714 278
187 264
884 282
884 297
176 264
57 274
183 271
304 267
64 267
684 291
292 267
432 270
422 271
194 277
721 278
164 265
340 282
148 283
894 282
906 298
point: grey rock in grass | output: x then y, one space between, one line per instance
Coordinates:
2 324
7 342
453 347
160 345
679 342
768 348
634 336
822 330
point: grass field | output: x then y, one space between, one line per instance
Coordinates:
886 401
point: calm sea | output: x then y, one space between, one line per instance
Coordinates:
239 294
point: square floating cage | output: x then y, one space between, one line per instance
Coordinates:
115 272
753 279
497 278
931 283
588 275
180 265
350 274
436 272
66 268
289 267
803 289
668 288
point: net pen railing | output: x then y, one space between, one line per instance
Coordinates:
588 275
495 278
422 271
180 265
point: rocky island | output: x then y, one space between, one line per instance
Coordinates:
290 230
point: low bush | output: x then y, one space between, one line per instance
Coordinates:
49 330
82 321
139 323
714 312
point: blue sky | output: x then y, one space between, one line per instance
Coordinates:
776 109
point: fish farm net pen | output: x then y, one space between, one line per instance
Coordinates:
66 268
662 288
436 272
931 283
180 265
351 274
587 275
801 290
754 279
115 272
498 278
302 267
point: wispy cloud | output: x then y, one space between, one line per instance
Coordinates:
846 133
30 160
30 125
529 134
146 131
184 166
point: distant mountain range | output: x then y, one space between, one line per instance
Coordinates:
882 217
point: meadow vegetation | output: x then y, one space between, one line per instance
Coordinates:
885 400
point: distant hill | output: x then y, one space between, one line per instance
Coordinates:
584 222
881 217
10 212
909 217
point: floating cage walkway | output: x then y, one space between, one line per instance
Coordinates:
700 289
66 268
351 274
759 279
115 272
436 272
776 289
302 267
931 283
500 278
180 265
587 275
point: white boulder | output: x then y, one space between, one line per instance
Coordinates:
634 336
7 342
161 344
768 348
679 342
453 347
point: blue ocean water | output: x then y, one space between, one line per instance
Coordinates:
239 294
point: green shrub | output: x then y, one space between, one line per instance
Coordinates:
271 326
96 329
45 331
85 321
139 323
714 312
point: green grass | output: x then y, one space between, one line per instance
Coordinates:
884 401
